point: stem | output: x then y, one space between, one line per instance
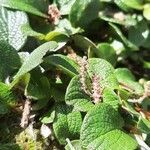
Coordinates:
25 114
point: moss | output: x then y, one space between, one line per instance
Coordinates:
27 142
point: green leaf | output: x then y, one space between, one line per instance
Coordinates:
101 130
38 87
75 96
6 95
22 5
52 35
146 64
127 43
146 104
58 92
35 59
9 60
130 109
100 67
127 80
127 5
146 12
141 32
48 117
65 6
3 109
124 74
66 28
83 43
144 125
10 27
127 20
111 98
8 146
76 144
104 70
134 4
122 5
28 31
67 123
66 64
106 52
7 98
81 15
39 4
58 37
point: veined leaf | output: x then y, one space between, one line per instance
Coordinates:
65 6
111 98
10 27
7 98
75 96
9 60
81 15
127 80
22 5
127 5
106 52
135 4
104 70
64 63
38 87
39 4
67 123
101 130
144 125
122 5
35 58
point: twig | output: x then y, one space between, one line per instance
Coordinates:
145 94
25 114
141 142
69 144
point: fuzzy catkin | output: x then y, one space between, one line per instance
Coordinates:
54 14
83 74
96 89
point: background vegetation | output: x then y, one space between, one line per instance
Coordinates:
74 74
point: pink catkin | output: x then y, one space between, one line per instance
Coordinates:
96 89
54 14
96 92
83 74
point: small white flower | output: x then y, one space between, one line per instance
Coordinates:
45 131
